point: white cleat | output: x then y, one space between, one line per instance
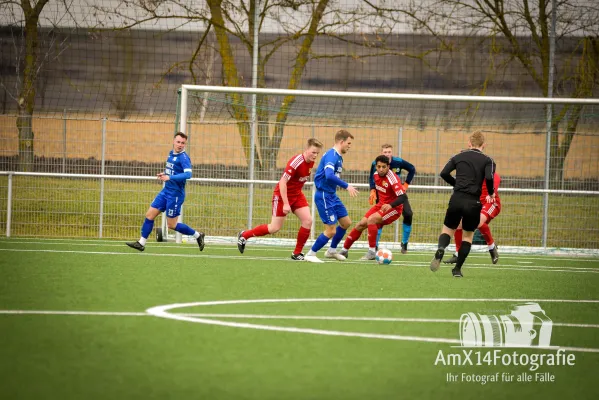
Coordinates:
335 255
313 259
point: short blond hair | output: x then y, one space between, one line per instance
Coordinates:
386 146
342 135
477 139
312 142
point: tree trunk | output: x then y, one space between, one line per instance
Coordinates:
27 96
26 154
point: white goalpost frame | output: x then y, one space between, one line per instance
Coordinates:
385 96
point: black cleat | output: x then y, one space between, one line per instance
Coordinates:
404 248
494 255
241 242
452 260
200 240
436 261
297 257
136 246
457 273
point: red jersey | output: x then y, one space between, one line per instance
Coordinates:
388 187
484 193
297 172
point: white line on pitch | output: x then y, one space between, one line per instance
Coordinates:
262 316
508 267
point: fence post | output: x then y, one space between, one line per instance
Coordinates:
9 205
64 142
102 172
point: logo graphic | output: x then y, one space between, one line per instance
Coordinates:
526 326
385 184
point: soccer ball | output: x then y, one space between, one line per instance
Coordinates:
384 256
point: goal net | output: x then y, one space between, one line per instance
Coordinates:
547 154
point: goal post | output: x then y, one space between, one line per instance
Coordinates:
549 166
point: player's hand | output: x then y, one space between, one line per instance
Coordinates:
286 209
353 192
372 197
490 199
385 208
163 177
405 187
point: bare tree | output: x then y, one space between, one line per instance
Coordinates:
298 23
519 31
24 23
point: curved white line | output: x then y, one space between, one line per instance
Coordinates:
162 312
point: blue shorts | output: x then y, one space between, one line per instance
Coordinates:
169 203
329 206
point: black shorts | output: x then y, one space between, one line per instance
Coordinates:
463 207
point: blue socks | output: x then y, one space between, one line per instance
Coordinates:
184 229
407 229
338 236
146 228
320 242
378 236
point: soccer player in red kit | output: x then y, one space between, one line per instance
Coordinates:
288 197
487 214
389 208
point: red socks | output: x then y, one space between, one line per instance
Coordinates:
260 230
302 236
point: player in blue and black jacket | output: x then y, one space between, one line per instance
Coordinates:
396 165
171 197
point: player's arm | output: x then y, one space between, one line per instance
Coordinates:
329 174
372 196
446 172
403 164
186 165
283 191
401 197
489 177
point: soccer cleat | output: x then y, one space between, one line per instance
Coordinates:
452 260
370 255
334 254
200 240
436 261
241 242
404 248
136 246
313 259
344 253
298 257
457 273
494 255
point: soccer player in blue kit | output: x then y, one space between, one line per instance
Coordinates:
330 208
171 197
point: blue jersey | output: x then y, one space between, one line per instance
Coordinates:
328 172
178 168
396 165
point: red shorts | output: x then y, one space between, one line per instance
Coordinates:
491 210
388 217
295 202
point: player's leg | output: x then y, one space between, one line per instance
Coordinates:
453 215
329 219
470 220
354 235
344 223
173 210
487 214
276 223
406 226
378 237
303 234
457 237
157 206
375 221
